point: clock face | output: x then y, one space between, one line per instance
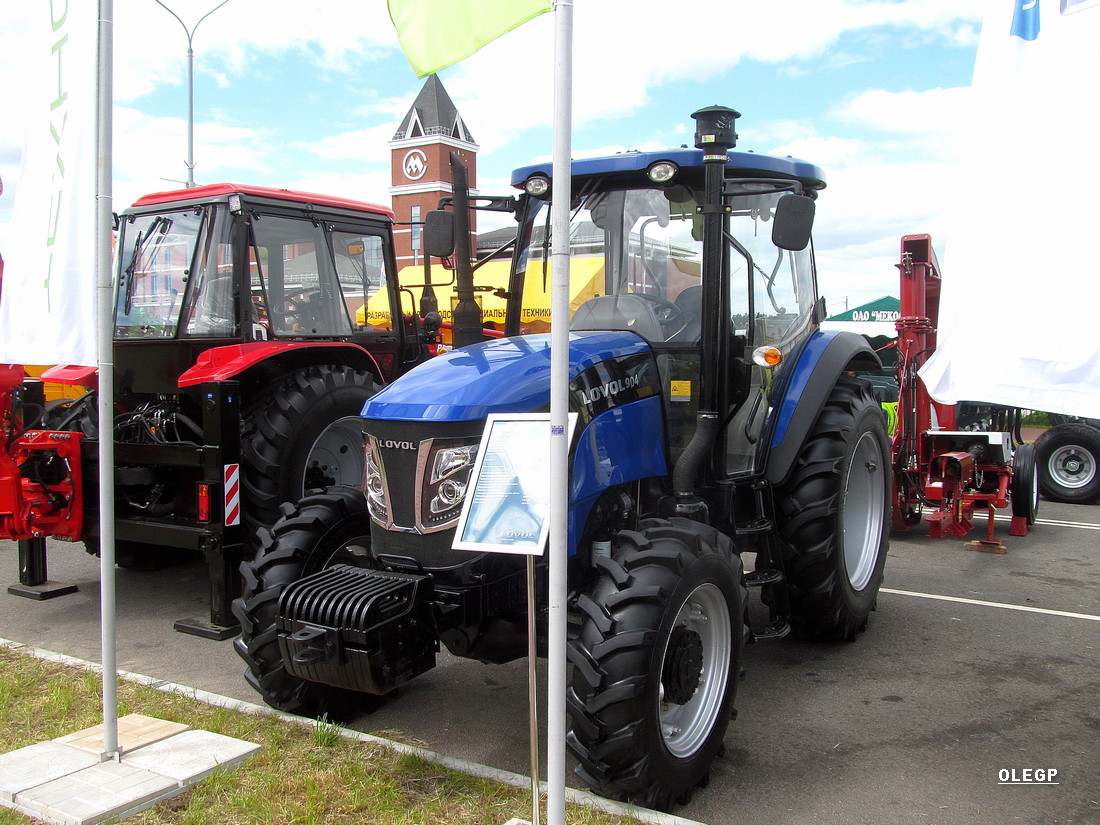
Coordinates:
414 164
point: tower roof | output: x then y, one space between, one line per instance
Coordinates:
433 113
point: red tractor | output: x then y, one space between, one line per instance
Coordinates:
243 355
954 461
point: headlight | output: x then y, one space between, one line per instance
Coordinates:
445 484
662 171
537 186
374 485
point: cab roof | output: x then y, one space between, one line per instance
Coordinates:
750 163
220 191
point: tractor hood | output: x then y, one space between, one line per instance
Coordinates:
507 375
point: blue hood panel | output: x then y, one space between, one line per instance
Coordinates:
507 375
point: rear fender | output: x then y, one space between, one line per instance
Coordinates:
72 374
823 359
225 363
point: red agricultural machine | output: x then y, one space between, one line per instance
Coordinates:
242 359
955 461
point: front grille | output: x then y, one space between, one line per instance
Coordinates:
403 450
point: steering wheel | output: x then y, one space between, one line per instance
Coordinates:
298 305
669 315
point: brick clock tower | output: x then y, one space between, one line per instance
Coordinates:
421 170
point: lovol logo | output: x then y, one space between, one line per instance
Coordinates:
396 445
610 389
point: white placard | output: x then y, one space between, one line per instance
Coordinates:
507 508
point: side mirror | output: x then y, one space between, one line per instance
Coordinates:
793 222
439 233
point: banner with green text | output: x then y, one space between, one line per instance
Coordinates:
47 302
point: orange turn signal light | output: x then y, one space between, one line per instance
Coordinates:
766 356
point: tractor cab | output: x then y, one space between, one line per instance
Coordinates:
637 264
224 264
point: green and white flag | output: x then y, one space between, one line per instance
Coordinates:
437 33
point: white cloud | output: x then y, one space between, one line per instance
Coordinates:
507 87
624 52
361 145
372 187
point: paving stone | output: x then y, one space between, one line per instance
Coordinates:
191 756
134 731
109 790
36 764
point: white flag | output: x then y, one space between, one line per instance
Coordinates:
1021 279
47 306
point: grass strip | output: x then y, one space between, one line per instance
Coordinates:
302 775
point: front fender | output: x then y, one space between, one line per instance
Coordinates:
224 363
618 446
825 356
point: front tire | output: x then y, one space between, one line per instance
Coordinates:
656 662
833 516
304 434
331 527
1024 488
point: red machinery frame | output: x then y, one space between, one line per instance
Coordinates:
40 473
937 466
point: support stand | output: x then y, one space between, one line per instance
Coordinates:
532 691
33 580
990 544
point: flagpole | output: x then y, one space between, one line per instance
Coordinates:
559 412
106 389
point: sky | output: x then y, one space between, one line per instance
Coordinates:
307 95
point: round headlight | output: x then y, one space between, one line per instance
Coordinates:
662 171
536 186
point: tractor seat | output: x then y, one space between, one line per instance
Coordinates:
690 304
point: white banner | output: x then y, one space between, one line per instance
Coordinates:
1021 278
47 306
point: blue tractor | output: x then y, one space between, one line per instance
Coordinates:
715 422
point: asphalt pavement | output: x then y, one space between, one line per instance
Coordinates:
977 671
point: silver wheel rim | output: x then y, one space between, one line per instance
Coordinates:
1072 466
863 507
338 452
685 728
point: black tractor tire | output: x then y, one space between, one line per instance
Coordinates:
656 662
833 516
1068 462
326 528
304 434
1057 419
1023 489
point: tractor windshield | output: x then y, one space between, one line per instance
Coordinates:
636 264
155 259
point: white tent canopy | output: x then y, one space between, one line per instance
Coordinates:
1020 281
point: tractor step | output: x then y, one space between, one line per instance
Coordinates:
775 629
762 577
756 527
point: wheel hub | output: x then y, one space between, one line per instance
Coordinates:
683 665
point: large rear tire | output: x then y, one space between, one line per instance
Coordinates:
302 435
833 516
1068 461
331 527
656 662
